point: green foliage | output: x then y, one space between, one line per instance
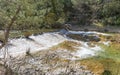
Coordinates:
50 18
110 13
37 14
33 14
113 50
104 11
106 72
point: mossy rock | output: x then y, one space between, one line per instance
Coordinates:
87 38
96 67
66 45
27 34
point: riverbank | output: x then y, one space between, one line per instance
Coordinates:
106 29
110 29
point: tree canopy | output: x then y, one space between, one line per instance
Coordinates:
48 13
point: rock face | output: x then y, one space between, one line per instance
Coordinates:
48 63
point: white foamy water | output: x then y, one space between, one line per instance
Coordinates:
85 50
89 32
40 42
107 43
45 41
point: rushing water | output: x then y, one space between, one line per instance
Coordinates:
19 46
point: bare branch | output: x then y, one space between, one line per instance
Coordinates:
7 30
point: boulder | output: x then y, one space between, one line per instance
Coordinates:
63 31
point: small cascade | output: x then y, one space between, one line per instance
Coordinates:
86 51
40 42
44 41
52 53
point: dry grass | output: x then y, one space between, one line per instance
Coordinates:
66 45
96 67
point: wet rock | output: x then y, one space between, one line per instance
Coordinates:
106 30
63 31
93 38
30 39
86 38
67 26
38 34
75 36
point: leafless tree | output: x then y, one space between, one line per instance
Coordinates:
5 41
